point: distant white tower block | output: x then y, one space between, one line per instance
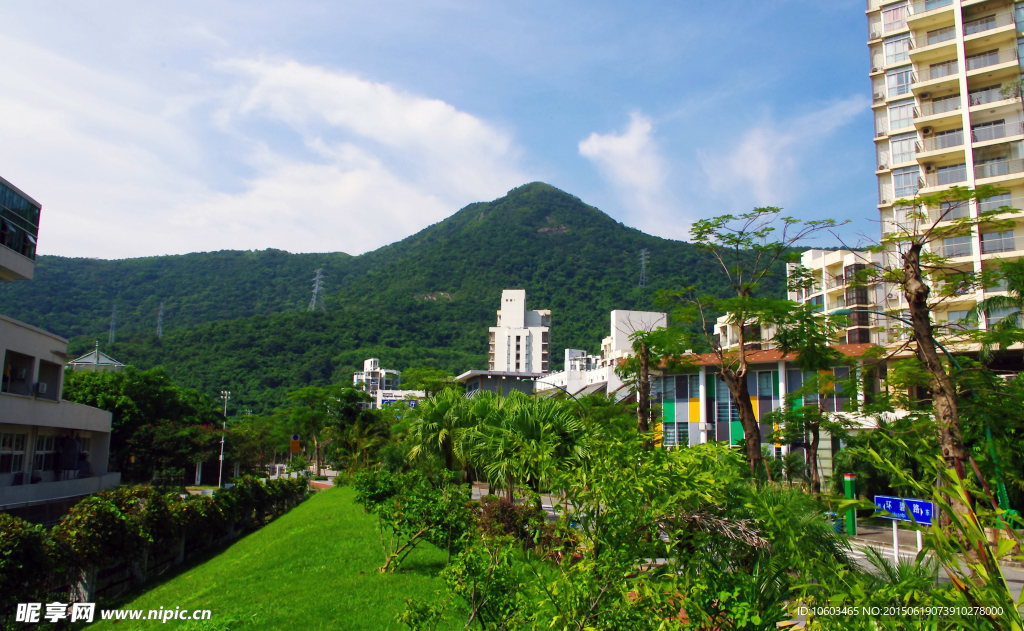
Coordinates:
521 341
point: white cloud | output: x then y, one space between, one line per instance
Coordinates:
295 157
765 163
633 163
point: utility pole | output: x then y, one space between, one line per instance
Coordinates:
317 301
160 321
224 394
113 325
643 267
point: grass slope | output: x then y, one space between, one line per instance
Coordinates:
315 568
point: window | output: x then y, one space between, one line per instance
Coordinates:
993 242
941 35
980 24
930 5
987 95
959 320
988 131
994 202
903 148
952 174
995 316
818 302
905 181
949 138
946 104
954 210
1019 12
898 81
46 453
944 69
982 60
12 452
897 49
957 246
670 434
894 18
901 114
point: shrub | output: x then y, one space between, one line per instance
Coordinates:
526 523
26 562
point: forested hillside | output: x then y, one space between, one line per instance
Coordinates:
237 320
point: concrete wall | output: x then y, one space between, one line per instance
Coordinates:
13 496
14 266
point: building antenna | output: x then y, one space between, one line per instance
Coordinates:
317 301
643 267
113 325
160 320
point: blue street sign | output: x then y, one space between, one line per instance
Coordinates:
903 507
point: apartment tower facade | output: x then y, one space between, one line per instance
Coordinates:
946 81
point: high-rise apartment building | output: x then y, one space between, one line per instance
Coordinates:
520 342
946 84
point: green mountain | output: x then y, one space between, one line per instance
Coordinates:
238 320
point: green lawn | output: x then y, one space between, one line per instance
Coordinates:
313 568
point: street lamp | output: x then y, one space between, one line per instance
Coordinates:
225 395
1004 500
578 402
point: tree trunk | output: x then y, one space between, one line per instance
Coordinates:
643 405
944 398
812 454
737 383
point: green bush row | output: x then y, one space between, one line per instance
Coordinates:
118 526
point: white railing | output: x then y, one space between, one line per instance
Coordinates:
998 168
944 141
988 23
930 108
991 58
992 132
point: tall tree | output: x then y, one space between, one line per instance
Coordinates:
748 250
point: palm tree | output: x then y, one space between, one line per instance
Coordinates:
1006 310
439 426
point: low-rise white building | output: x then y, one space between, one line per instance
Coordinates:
52 452
521 340
584 373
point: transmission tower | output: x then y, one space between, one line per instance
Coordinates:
317 301
643 267
160 320
113 325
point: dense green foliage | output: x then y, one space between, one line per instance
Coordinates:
237 320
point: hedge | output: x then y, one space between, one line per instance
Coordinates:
121 526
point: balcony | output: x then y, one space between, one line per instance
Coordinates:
939 71
955 247
935 108
25 494
988 23
947 176
939 142
993 132
991 58
1001 244
998 168
835 281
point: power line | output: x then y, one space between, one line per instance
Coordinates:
113 325
160 320
317 301
643 267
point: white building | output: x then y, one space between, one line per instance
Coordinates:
521 340
584 373
42 438
373 378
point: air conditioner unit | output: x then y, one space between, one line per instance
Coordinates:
885 201
925 95
879 96
929 168
883 167
40 388
875 35
881 133
876 70
926 131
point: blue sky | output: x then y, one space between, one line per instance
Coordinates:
327 126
